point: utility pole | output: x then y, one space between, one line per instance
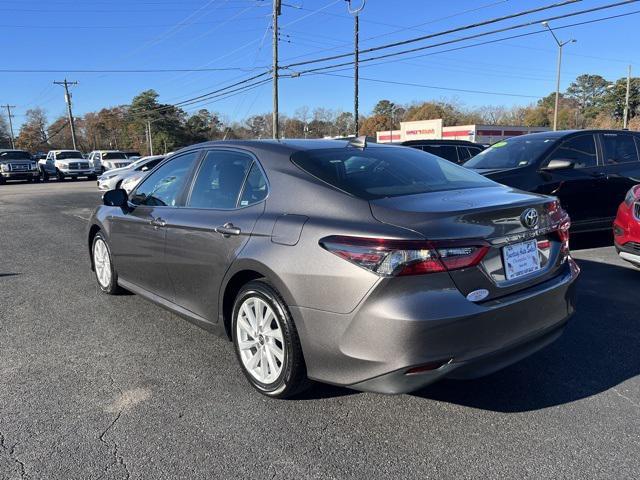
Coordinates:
625 120
560 45
149 138
10 115
356 61
67 98
277 10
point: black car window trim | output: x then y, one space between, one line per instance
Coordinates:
181 197
635 140
254 161
561 141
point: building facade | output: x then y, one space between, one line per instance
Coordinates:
434 130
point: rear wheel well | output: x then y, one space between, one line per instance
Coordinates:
234 285
92 234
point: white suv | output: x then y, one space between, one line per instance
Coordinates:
103 160
68 163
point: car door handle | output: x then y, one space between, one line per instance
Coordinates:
158 222
599 175
228 229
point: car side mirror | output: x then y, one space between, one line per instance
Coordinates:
116 198
559 165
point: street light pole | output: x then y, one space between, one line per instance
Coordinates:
560 46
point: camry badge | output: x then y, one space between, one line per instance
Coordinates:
529 218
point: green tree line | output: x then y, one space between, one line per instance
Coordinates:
590 101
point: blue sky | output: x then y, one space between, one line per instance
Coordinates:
174 34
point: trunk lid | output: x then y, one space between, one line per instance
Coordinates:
488 215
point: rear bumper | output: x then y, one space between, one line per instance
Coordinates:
409 322
401 382
629 251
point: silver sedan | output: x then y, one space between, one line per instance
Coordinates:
113 178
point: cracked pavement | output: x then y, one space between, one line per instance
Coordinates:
93 386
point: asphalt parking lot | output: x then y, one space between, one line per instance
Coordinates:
93 386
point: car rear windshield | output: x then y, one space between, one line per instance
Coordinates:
68 155
14 155
113 156
379 172
511 153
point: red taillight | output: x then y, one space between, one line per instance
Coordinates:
389 257
560 217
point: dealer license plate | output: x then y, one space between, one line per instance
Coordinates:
521 259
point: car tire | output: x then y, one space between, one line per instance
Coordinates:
105 272
273 364
59 175
93 178
44 176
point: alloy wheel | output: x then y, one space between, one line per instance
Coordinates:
260 340
102 263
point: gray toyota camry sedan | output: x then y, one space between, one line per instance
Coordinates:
380 268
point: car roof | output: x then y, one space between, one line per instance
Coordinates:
284 146
564 133
12 150
59 151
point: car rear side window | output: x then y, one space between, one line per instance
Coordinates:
473 151
463 154
219 180
580 150
255 188
619 148
378 172
442 151
163 187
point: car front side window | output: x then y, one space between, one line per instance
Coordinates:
164 186
220 179
580 150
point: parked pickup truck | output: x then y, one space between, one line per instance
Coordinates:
103 160
66 164
17 165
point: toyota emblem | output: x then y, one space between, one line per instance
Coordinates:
529 218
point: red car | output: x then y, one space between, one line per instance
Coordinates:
626 227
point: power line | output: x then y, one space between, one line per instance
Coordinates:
209 95
444 32
219 91
409 84
469 37
139 70
402 29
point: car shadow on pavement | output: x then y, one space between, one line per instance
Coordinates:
583 241
598 351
